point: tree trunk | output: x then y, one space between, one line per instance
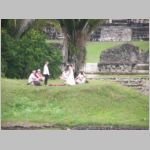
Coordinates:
74 51
65 51
78 55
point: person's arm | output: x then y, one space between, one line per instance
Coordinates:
37 75
77 77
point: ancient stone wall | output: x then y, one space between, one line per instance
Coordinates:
122 30
115 33
123 60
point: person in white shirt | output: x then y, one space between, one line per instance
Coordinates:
46 72
33 80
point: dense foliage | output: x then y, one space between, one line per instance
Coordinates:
21 56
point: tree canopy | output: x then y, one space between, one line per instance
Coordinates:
76 32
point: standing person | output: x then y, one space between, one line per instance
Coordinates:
46 72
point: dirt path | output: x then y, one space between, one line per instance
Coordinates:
38 126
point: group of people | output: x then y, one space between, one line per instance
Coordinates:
68 76
36 77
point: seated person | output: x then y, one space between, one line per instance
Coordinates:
33 80
39 75
81 78
65 74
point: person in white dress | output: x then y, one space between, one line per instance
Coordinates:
70 79
46 72
65 73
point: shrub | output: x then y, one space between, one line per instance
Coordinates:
20 57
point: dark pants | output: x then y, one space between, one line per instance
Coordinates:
46 79
36 83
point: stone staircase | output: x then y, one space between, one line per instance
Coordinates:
136 83
139 83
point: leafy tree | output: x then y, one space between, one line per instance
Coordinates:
21 56
76 33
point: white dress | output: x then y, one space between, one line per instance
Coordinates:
70 79
64 75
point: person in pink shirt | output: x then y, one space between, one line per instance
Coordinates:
39 75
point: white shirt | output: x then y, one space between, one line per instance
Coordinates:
46 70
31 78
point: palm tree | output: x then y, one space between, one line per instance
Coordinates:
17 27
76 32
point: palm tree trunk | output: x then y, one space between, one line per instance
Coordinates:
65 51
78 55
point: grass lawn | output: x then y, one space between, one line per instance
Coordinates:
96 103
94 49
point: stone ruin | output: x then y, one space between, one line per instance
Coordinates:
116 33
122 30
124 59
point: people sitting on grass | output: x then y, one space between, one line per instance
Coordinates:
33 80
68 76
81 78
39 75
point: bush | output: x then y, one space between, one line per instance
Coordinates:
20 57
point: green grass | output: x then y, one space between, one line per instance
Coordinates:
94 49
95 103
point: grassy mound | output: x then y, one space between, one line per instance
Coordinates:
96 103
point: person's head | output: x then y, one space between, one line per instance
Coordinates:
67 67
70 66
73 66
81 72
46 62
34 71
39 70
